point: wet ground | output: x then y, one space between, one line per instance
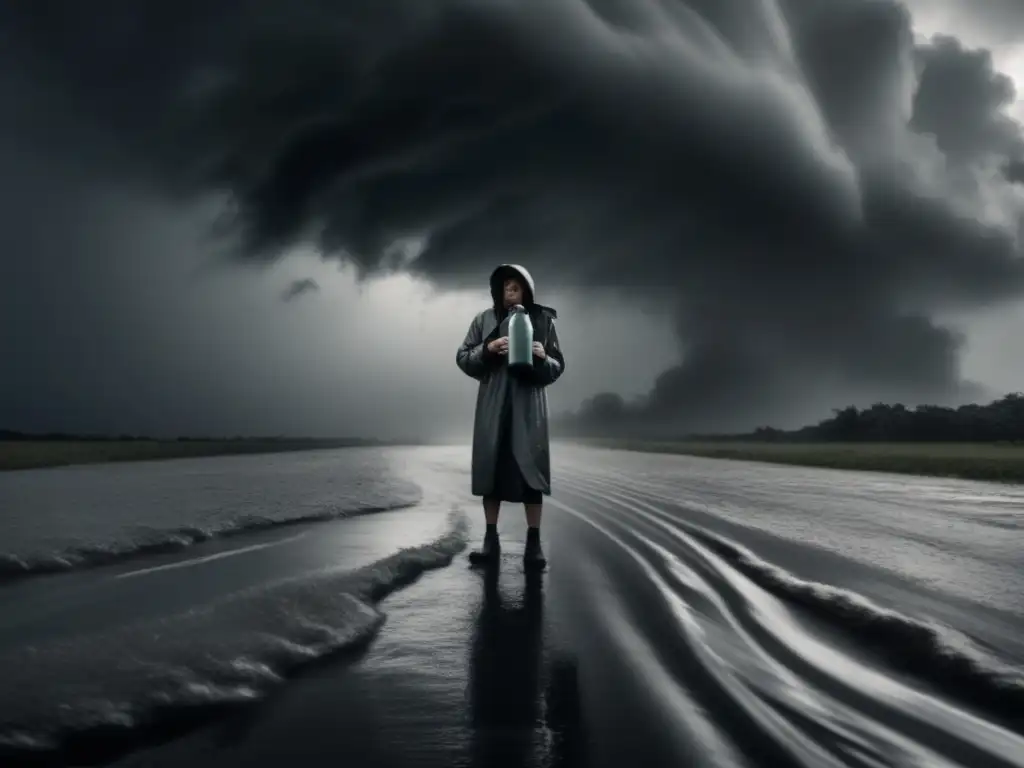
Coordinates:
694 612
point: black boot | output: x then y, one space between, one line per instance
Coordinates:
491 549
533 554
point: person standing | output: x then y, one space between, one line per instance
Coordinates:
511 453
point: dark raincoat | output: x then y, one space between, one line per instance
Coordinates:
511 409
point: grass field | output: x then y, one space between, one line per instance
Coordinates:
31 454
977 461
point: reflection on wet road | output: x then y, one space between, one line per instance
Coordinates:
508 695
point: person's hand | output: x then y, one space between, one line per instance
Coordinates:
539 351
499 346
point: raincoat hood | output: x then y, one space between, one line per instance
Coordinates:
505 271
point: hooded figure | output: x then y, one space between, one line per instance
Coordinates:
511 460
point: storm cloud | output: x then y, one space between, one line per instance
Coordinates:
299 288
804 187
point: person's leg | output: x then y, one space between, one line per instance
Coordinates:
533 554
491 546
491 509
492 506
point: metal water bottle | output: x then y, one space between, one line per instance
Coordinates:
520 338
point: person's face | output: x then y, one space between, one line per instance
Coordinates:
513 291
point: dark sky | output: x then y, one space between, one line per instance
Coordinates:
270 217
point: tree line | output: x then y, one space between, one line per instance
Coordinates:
1001 420
998 421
